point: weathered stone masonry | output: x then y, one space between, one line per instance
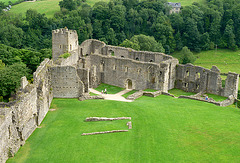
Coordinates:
91 63
18 119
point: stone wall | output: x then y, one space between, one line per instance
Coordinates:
118 65
123 72
69 61
65 82
196 79
18 119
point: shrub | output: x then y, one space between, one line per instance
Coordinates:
65 55
187 56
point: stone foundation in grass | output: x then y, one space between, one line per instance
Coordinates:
89 119
104 132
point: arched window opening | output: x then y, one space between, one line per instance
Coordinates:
187 73
126 69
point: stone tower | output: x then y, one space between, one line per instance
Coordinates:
63 41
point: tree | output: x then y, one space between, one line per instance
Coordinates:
187 56
111 37
2 6
229 36
191 34
163 32
10 78
11 35
129 44
147 43
2 65
68 4
117 18
205 41
178 39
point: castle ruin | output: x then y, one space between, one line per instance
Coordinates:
89 64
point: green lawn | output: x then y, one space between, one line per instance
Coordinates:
178 92
150 90
129 93
92 94
110 88
216 97
165 129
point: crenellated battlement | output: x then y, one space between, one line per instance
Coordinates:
64 31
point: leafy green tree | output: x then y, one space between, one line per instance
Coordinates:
178 39
118 18
147 43
11 35
187 56
191 34
68 4
163 32
101 11
2 65
229 36
10 78
2 6
129 44
205 41
111 37
133 23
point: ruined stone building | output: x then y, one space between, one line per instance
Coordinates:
89 64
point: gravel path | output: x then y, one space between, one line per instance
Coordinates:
115 97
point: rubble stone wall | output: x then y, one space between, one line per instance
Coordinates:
18 119
196 79
66 82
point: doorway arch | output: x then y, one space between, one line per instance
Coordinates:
129 84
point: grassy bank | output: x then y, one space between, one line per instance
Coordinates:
47 7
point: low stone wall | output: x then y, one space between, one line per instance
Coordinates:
90 119
86 96
143 93
135 95
104 132
152 94
226 102
168 94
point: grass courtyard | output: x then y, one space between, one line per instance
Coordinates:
165 129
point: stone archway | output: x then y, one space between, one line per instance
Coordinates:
129 84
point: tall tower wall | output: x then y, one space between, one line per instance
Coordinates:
63 41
